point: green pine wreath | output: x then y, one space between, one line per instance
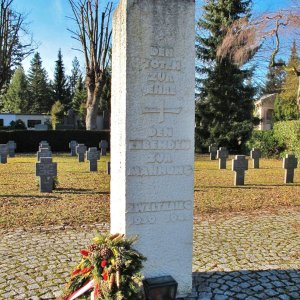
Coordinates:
113 265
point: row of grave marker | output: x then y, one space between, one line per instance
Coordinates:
240 163
47 170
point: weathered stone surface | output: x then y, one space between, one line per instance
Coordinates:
92 155
80 150
255 154
43 152
103 147
213 148
12 146
72 146
46 170
290 163
3 153
222 155
152 133
239 166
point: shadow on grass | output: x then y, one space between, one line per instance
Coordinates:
264 284
246 186
79 191
30 196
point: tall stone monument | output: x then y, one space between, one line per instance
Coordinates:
152 133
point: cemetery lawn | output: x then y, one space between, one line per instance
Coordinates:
82 198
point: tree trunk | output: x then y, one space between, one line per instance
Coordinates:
91 115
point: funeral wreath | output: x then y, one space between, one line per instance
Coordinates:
109 269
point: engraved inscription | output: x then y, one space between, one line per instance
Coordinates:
161 144
159 158
159 206
160 170
159 131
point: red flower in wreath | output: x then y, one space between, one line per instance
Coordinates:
86 270
84 252
105 276
75 272
103 263
96 290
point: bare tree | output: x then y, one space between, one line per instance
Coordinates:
94 34
13 47
265 32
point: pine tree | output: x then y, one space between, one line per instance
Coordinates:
61 90
275 79
75 73
38 87
224 107
286 106
80 94
16 99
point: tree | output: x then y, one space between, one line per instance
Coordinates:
264 32
16 99
224 108
286 103
275 79
94 34
61 89
12 50
38 87
80 94
57 114
75 74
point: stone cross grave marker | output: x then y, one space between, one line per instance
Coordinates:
103 146
290 163
239 166
93 155
11 148
152 133
3 153
44 144
108 168
46 170
222 155
80 150
213 148
43 152
72 145
255 154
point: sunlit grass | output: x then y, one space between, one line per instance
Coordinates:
82 198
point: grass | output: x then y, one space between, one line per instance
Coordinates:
82 197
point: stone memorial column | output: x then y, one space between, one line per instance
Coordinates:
152 133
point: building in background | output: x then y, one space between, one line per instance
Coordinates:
264 109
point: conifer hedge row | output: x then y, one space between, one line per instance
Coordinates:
28 140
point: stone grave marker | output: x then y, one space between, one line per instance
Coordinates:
103 146
239 166
213 148
108 167
80 150
222 155
255 154
46 170
72 146
152 133
44 144
43 152
290 163
12 146
3 153
93 155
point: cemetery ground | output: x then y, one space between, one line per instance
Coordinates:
246 238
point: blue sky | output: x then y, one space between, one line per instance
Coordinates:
48 23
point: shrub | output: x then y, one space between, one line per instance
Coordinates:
266 142
288 134
28 140
18 124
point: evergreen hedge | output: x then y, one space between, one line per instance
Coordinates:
28 140
288 134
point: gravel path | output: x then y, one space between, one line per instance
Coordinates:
236 257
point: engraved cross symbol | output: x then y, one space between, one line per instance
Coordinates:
161 110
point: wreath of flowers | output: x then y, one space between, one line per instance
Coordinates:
109 266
